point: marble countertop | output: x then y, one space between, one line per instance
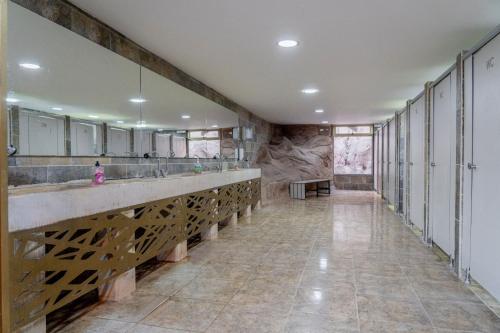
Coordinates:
38 205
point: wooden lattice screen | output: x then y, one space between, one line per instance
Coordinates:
55 264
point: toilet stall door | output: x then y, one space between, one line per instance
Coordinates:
417 163
485 233
442 164
385 159
375 165
379 170
391 155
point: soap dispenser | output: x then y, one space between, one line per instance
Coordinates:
99 174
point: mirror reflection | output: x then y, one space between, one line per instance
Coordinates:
68 96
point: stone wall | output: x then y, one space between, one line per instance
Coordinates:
299 152
353 182
294 152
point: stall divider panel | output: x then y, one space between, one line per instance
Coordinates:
416 164
485 226
441 201
392 162
385 159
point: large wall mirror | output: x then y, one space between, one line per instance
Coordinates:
68 96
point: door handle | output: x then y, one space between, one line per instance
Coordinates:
411 163
433 164
471 166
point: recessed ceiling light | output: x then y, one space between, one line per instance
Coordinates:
288 43
29 66
310 90
215 126
56 108
185 116
93 116
324 122
137 100
119 121
11 100
319 110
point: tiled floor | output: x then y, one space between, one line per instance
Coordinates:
343 263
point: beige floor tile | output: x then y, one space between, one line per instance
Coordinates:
393 327
337 304
462 316
210 289
184 314
141 328
131 309
309 323
375 308
90 324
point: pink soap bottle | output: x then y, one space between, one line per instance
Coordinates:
99 174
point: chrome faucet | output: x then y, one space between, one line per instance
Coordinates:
159 172
220 158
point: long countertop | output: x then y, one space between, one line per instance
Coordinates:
35 206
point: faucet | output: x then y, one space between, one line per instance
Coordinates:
159 172
220 157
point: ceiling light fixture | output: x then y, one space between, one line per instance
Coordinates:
56 108
310 91
29 66
215 126
119 121
141 124
93 116
287 43
11 100
185 116
319 110
324 122
137 100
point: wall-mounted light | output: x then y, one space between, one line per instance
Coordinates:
57 108
12 100
185 116
319 110
119 121
93 116
324 122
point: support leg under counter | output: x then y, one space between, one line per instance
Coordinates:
38 326
211 233
121 287
233 219
178 253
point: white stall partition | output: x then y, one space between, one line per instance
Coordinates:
484 166
402 163
385 159
380 161
442 171
375 161
391 155
416 163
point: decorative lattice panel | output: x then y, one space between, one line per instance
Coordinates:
227 201
53 265
255 191
244 193
201 212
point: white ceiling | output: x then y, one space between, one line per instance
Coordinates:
366 56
